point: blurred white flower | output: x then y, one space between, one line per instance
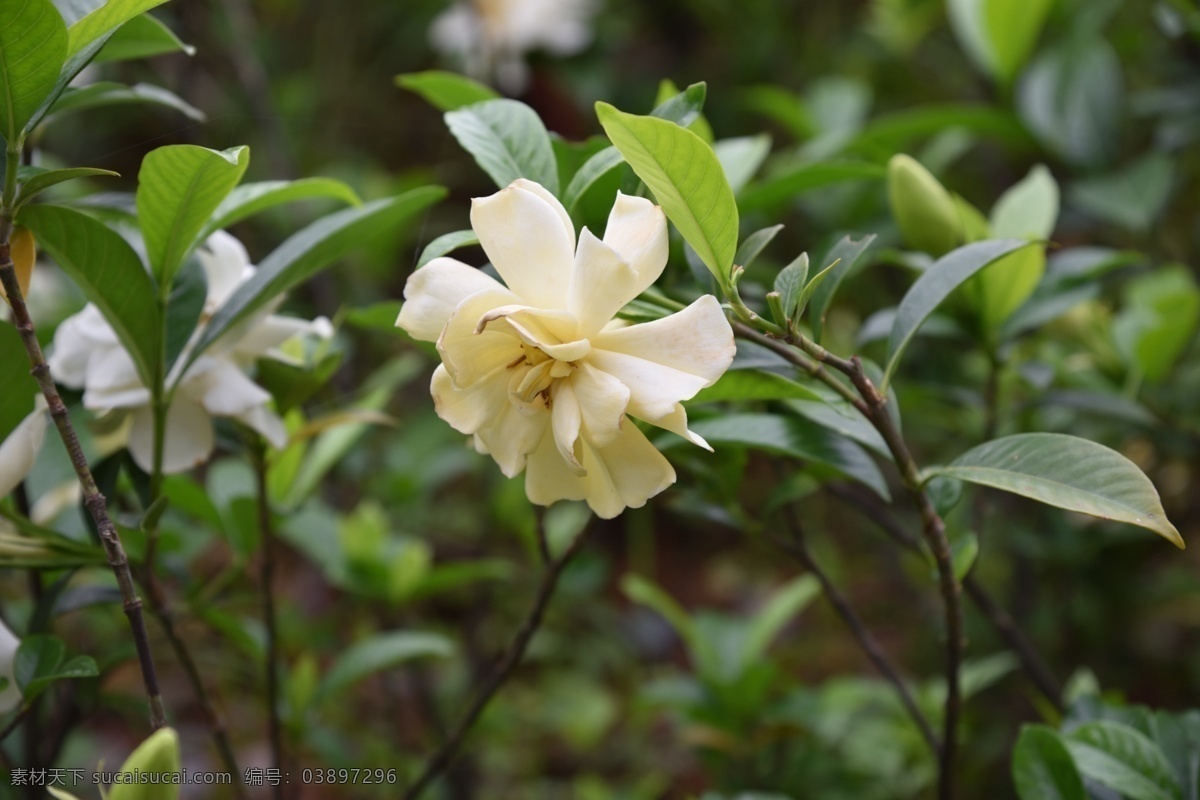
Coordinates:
493 36
10 695
19 450
88 355
540 373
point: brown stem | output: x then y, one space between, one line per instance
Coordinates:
1000 619
93 500
501 673
798 546
266 581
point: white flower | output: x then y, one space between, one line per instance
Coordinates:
10 695
540 373
492 36
88 355
19 450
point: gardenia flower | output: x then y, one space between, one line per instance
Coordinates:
19 450
10 695
88 355
537 370
492 36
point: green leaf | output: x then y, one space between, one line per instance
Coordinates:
20 389
783 605
381 652
1042 767
33 47
304 254
753 384
592 170
507 140
141 37
1133 197
686 179
891 133
805 178
1158 321
1124 760
999 35
1071 98
109 273
41 181
1066 472
754 244
935 285
104 20
70 71
682 108
447 243
446 91
845 255
742 157
1005 285
790 283
179 187
107 93
39 663
811 288
643 592
1028 209
254 198
795 437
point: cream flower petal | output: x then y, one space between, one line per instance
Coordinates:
77 338
267 423
530 242
10 695
226 266
471 408
552 332
113 381
19 449
512 436
471 354
435 290
676 422
221 388
189 436
624 474
602 282
602 401
274 331
566 418
667 360
637 230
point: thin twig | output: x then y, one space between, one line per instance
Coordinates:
266 581
15 722
503 670
798 546
93 500
1041 675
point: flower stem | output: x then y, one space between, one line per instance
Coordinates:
266 531
512 657
93 500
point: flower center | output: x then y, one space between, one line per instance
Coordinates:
534 373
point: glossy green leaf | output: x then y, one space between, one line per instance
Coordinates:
109 273
935 285
1066 472
381 652
107 93
1133 197
253 198
39 662
782 606
806 177
998 291
141 37
592 170
845 255
687 180
1013 27
895 132
20 388
104 20
40 181
179 187
790 283
754 244
798 438
1158 320
1124 760
447 243
1043 768
70 70
446 91
742 157
752 384
508 141
311 250
33 48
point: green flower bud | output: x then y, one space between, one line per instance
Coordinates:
152 769
926 213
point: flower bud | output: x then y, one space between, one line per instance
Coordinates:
924 210
157 756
